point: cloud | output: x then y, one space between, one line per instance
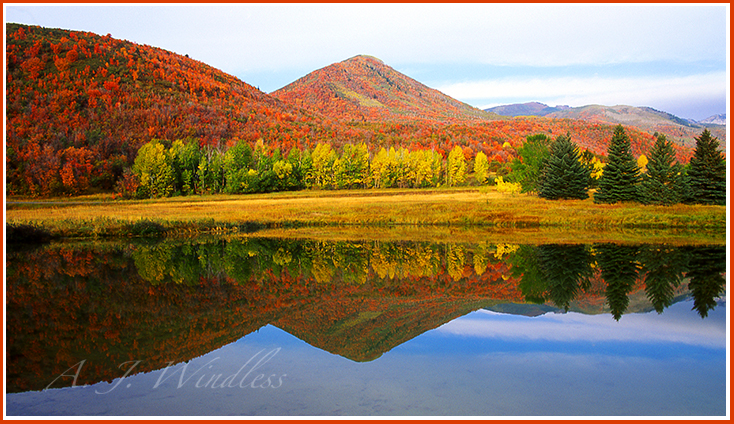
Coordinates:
676 325
277 36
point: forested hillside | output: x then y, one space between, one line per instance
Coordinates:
363 88
81 106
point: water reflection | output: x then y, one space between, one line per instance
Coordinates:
171 301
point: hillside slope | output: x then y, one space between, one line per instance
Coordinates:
99 99
363 88
80 105
525 109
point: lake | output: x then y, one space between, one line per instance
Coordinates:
299 327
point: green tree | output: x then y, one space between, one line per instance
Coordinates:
531 158
236 164
663 267
189 156
353 166
296 159
211 170
481 168
456 167
663 181
707 172
564 176
707 267
619 269
621 177
153 168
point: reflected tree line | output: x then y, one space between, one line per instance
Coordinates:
560 273
174 300
557 273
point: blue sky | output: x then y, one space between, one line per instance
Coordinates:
669 57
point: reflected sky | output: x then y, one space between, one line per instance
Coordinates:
482 364
677 325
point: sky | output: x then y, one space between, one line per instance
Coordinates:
672 58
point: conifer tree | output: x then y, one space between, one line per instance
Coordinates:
621 177
564 176
663 181
707 172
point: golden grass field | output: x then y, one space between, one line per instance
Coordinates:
410 211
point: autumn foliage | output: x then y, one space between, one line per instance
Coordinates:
80 106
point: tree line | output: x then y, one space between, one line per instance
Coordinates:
184 167
558 170
554 169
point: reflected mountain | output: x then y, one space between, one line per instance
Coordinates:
78 310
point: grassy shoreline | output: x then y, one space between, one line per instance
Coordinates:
413 211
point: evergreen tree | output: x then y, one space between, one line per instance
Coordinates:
621 174
707 173
564 177
663 181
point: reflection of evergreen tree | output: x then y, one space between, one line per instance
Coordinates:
619 267
526 267
566 269
663 267
553 272
706 268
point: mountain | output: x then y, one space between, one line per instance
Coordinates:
715 120
678 130
80 105
71 93
525 109
363 88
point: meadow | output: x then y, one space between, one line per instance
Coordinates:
390 212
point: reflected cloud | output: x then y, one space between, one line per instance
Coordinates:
680 325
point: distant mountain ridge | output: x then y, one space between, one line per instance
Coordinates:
363 88
644 118
525 109
719 119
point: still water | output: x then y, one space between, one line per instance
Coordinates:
274 327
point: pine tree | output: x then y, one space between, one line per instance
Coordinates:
663 181
564 176
621 177
707 173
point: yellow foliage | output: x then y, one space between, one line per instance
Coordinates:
505 249
507 187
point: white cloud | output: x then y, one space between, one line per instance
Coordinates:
676 325
580 91
271 36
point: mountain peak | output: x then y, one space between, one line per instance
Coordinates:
364 58
364 88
